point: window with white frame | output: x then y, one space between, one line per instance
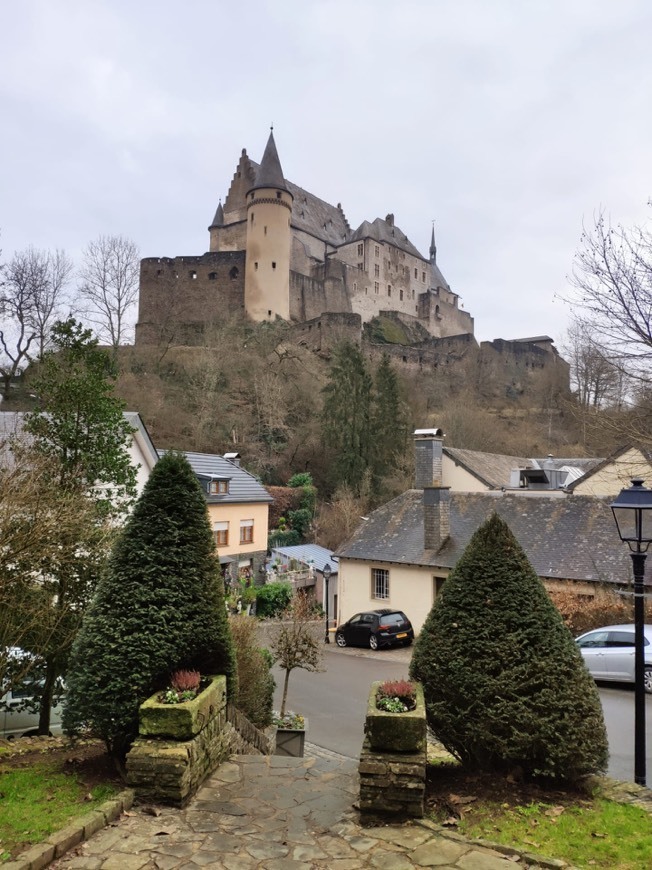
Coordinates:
221 533
379 583
246 531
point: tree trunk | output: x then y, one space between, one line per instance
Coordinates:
285 692
47 695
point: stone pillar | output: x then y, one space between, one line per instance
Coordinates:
392 783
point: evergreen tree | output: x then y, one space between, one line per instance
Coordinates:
504 683
389 423
79 421
346 416
79 440
158 608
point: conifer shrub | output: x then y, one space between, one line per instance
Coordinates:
158 609
505 685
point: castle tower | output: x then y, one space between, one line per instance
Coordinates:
267 269
215 227
433 247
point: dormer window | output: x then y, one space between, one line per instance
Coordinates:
218 487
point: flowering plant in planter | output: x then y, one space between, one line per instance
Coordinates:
290 720
184 686
396 696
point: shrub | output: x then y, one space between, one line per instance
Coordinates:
158 608
397 689
273 598
290 538
581 613
504 683
255 682
301 478
300 521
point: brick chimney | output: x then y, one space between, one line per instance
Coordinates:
428 476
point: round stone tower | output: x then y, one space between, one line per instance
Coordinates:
267 270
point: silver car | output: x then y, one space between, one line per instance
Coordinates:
16 719
609 653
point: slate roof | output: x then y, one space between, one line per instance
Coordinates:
315 216
573 538
243 486
270 173
382 231
310 553
493 469
599 464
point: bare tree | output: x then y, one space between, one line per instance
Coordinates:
109 285
612 280
31 297
597 381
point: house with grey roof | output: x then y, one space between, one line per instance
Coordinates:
238 509
402 553
306 563
477 471
142 452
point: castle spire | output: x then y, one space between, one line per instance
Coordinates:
433 246
218 220
269 172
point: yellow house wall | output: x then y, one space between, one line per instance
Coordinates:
458 478
616 475
232 514
411 589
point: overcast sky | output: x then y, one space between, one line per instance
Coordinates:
508 122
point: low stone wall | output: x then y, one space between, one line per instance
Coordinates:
392 783
250 740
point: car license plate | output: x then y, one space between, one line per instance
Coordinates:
404 634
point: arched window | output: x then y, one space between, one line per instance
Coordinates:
233 274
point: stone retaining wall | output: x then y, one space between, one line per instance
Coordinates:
392 783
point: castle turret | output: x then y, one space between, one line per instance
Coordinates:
267 271
214 228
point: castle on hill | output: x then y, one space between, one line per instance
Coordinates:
277 250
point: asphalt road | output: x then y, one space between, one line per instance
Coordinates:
335 703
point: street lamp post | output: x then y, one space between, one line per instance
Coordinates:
632 511
326 574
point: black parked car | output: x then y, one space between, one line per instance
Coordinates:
376 628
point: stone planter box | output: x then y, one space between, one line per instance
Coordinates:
396 732
182 721
291 741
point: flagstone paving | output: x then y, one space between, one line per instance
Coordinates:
272 813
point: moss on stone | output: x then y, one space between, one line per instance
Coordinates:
396 732
182 721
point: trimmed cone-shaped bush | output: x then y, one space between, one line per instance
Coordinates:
505 685
158 609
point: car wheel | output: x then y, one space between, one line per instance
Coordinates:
340 640
373 641
647 679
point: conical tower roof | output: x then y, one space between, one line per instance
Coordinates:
269 172
218 220
433 246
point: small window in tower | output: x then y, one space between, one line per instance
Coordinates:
413 294
273 265
159 271
355 287
252 218
192 274
360 267
423 276
233 274
377 270
269 313
377 251
265 230
416 271
256 267
400 295
361 250
376 286
212 276
389 289
278 194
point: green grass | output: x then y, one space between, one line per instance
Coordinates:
36 801
602 834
